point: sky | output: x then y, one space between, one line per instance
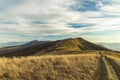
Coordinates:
26 20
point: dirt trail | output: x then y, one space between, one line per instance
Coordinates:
115 66
101 73
109 70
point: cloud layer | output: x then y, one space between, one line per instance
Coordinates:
55 19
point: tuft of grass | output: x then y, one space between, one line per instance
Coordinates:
62 67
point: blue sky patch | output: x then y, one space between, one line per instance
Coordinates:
88 6
38 22
8 22
80 25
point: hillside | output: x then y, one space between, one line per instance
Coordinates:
74 44
59 46
102 66
51 68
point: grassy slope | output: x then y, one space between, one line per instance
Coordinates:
64 67
115 62
111 73
88 66
112 61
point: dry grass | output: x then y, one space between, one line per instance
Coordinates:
111 53
111 73
115 62
64 67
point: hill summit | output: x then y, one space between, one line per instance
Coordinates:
73 44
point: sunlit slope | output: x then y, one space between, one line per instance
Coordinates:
115 62
74 44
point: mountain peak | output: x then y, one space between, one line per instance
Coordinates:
75 44
34 41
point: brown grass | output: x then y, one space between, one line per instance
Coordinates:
64 67
115 62
111 53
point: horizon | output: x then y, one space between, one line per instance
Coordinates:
27 20
59 39
112 46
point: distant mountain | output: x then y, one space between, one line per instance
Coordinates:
113 46
32 43
66 45
8 44
16 46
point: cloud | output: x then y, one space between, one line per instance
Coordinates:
40 18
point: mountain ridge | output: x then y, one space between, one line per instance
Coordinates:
70 44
